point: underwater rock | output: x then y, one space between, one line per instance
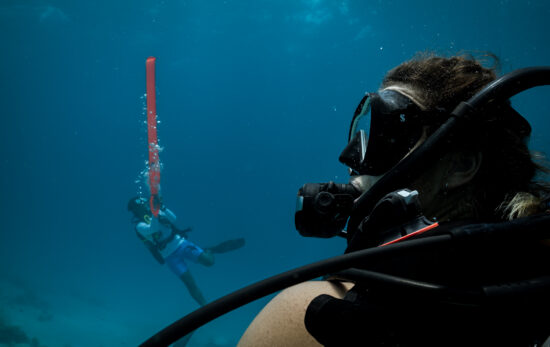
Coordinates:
11 334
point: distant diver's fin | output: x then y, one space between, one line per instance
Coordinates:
227 246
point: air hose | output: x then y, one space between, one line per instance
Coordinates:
273 284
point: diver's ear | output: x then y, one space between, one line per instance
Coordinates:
463 169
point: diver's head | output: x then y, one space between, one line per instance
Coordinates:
486 167
386 127
139 207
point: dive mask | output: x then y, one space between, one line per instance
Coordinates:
385 127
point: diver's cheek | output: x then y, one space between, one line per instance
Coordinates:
364 182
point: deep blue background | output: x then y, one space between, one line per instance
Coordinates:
254 99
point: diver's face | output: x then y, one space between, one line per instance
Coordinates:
141 211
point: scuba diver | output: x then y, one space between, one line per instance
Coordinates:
169 244
481 181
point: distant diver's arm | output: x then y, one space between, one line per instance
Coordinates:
154 252
141 228
151 247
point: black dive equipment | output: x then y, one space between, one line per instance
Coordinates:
385 127
323 209
395 216
445 239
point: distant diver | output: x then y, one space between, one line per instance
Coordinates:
169 244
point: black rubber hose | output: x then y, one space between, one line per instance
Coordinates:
511 84
518 230
533 288
273 284
410 287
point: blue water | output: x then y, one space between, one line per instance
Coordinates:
254 99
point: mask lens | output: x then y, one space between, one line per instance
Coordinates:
362 118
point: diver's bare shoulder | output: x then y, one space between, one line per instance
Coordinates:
281 321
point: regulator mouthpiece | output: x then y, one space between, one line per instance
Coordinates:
323 209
